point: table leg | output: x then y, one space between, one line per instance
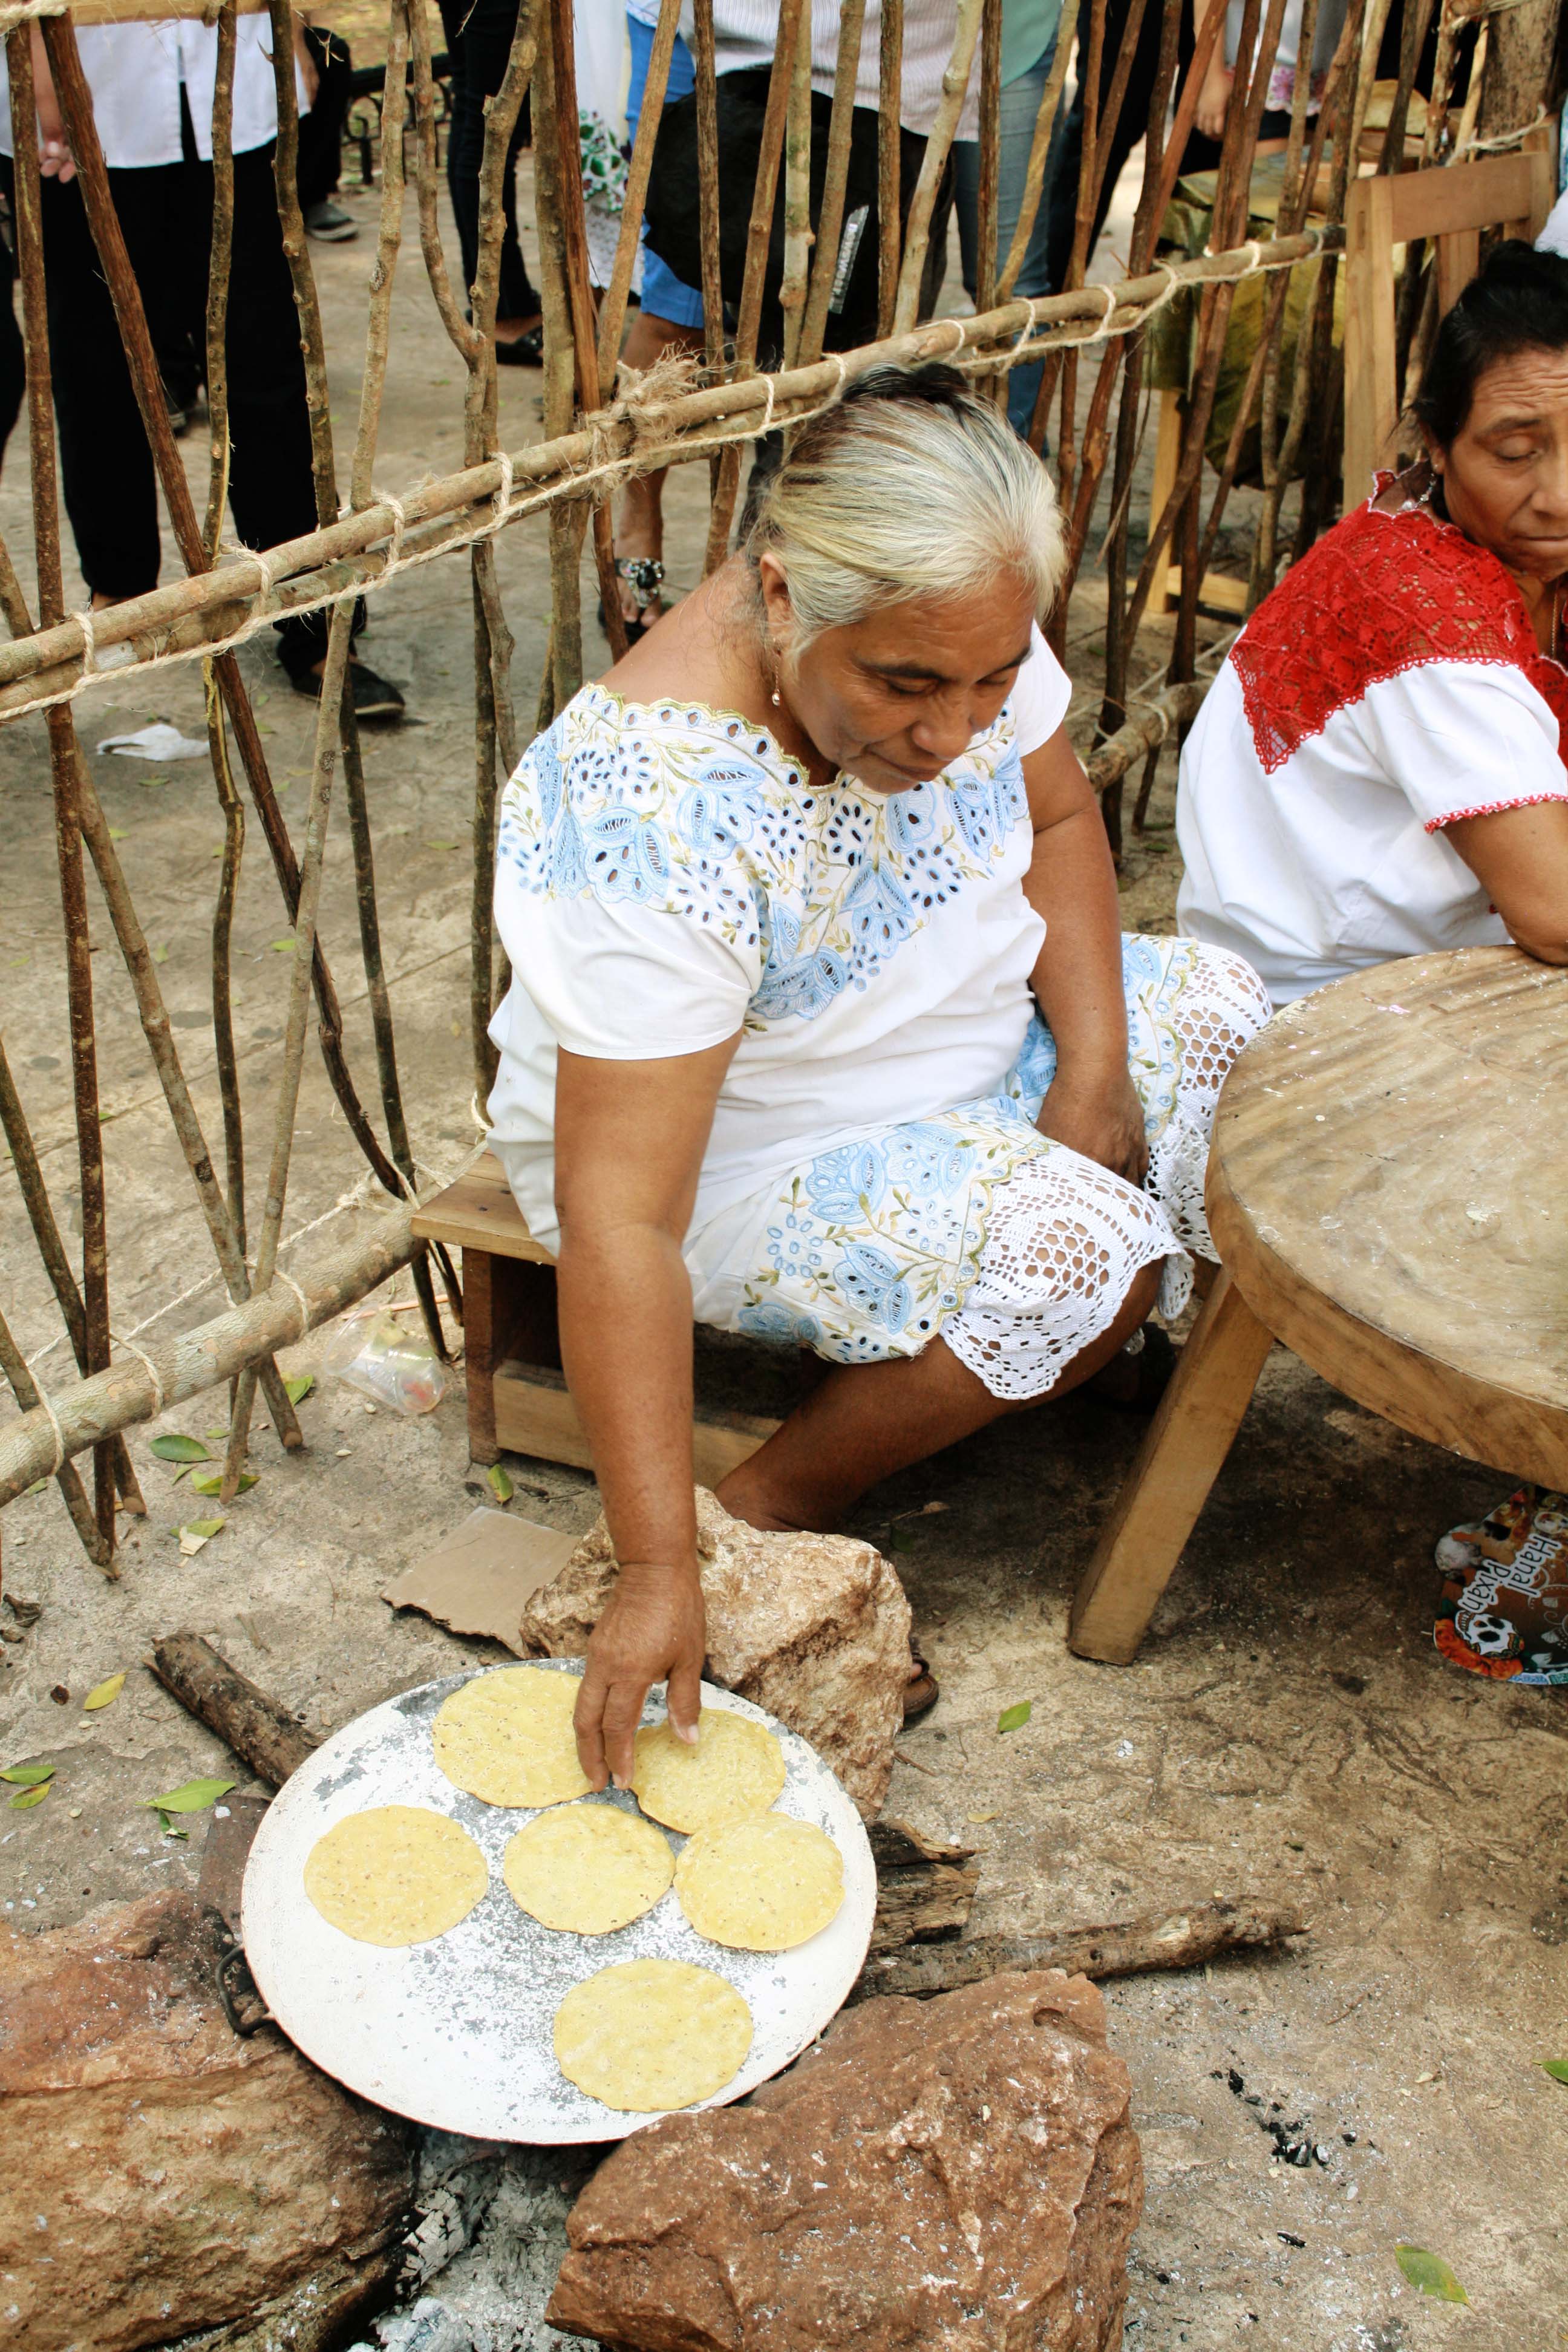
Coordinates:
1169 1481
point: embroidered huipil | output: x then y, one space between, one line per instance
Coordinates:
1390 686
667 879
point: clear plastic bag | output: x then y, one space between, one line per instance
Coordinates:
379 1355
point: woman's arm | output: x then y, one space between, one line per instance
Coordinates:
1519 857
629 1139
1092 1103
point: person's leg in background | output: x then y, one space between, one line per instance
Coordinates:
106 467
671 319
1018 111
321 137
1131 125
271 489
13 354
478 43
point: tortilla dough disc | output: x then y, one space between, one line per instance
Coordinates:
762 1884
652 2034
737 1768
395 1874
507 1736
588 1868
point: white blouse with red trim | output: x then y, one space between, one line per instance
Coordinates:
1389 687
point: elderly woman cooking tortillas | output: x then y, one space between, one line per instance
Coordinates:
822 1026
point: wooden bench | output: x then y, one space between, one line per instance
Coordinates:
518 1399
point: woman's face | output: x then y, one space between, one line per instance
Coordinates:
895 698
1505 473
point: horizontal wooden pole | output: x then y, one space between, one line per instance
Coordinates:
137 1388
354 555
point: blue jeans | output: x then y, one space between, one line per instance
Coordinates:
1019 108
664 295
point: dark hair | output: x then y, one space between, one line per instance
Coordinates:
1518 301
932 385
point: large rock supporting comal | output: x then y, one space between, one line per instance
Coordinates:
959 2173
165 2175
815 1629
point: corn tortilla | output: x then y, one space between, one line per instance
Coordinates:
588 1869
736 1767
507 1736
652 2034
762 1884
395 1874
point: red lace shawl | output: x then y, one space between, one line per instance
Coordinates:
1380 594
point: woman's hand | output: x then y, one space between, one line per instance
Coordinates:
1100 1116
1214 98
55 161
653 1629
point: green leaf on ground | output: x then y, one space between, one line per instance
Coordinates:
37 1487
898 1542
299 1387
196 1534
31 1796
211 1483
282 946
167 1826
443 844
174 1447
1014 1718
27 1776
1430 2272
1556 2067
194 1797
116 835
497 1482
160 955
104 1693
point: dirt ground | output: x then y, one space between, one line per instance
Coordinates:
1289 1733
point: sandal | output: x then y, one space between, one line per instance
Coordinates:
526 350
644 575
1135 1381
922 1690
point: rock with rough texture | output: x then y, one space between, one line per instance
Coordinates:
815 1629
167 2176
957 2173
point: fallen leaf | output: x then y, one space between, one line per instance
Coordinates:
197 1534
213 1482
497 1482
1556 2067
442 844
282 946
31 1796
37 1487
175 1447
1014 1718
898 1542
974 1819
193 1797
167 1826
298 1387
115 835
27 1776
160 955
104 1694
1430 2272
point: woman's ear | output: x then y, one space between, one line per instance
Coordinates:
778 611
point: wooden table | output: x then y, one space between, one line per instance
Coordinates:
1388 1193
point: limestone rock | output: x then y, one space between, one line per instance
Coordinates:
815 1629
957 2173
168 2175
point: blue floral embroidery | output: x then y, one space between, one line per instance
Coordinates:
687 810
871 1245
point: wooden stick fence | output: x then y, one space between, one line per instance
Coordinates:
597 437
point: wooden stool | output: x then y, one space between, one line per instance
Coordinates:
1386 1195
517 1397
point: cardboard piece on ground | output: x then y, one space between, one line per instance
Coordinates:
478 1578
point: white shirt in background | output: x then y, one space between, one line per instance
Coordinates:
135 71
744 32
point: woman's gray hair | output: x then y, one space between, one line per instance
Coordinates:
909 486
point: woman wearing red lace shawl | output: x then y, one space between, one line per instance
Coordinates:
1379 768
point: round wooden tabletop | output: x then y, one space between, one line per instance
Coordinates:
1389 1191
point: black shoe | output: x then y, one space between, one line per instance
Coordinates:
526 350
329 224
374 698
